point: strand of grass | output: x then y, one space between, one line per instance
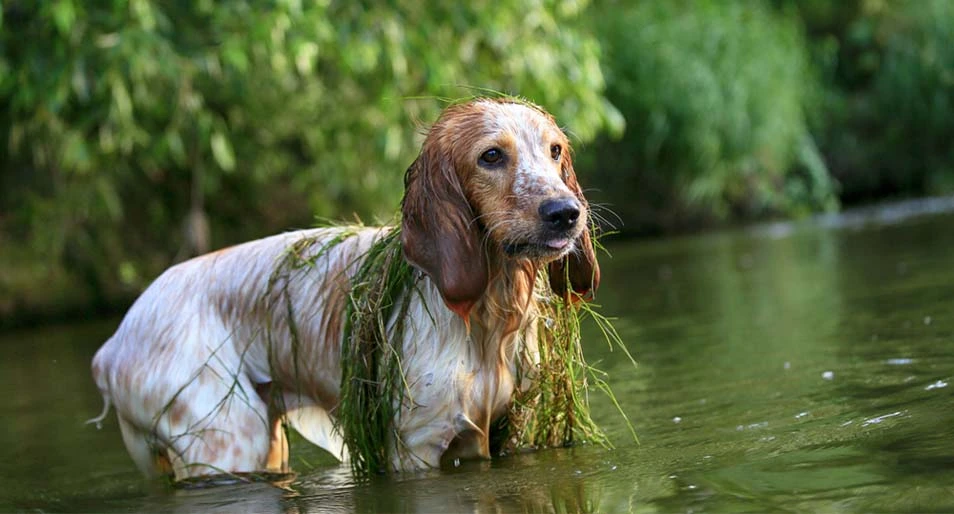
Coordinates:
206 366
555 411
610 335
605 325
603 386
373 384
478 92
566 318
294 262
576 369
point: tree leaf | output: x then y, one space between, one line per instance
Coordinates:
64 14
222 151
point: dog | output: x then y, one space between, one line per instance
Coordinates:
491 200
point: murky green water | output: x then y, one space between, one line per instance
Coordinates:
804 368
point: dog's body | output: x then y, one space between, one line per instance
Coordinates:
197 364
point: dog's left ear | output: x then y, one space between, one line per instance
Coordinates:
438 232
580 268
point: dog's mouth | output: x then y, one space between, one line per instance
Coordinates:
547 249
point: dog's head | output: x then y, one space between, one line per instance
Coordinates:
496 176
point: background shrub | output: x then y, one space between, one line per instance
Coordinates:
134 133
138 132
888 71
715 95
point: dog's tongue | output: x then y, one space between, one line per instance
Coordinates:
558 244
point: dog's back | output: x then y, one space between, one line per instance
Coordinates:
190 368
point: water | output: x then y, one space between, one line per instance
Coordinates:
786 367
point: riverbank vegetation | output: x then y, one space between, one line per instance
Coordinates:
137 133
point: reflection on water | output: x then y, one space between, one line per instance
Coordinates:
798 367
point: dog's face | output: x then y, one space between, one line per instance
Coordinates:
495 177
515 171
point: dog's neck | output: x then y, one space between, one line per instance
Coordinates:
502 341
509 295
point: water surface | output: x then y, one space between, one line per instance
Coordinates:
783 367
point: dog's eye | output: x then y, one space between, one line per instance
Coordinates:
556 151
492 157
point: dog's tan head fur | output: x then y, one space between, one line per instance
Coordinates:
495 181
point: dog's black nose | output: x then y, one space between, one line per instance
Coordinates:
561 213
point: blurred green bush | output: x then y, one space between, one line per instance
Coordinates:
136 132
888 73
716 96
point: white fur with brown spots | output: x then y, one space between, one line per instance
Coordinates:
491 199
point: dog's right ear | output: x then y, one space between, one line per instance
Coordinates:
438 231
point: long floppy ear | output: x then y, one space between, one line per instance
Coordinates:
580 267
439 234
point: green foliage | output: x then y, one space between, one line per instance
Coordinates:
138 132
130 127
715 96
373 384
890 95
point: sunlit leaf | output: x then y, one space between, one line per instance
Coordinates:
64 15
128 274
76 153
79 81
222 151
234 55
143 11
121 99
305 56
176 148
109 198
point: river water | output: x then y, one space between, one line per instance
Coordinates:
797 367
